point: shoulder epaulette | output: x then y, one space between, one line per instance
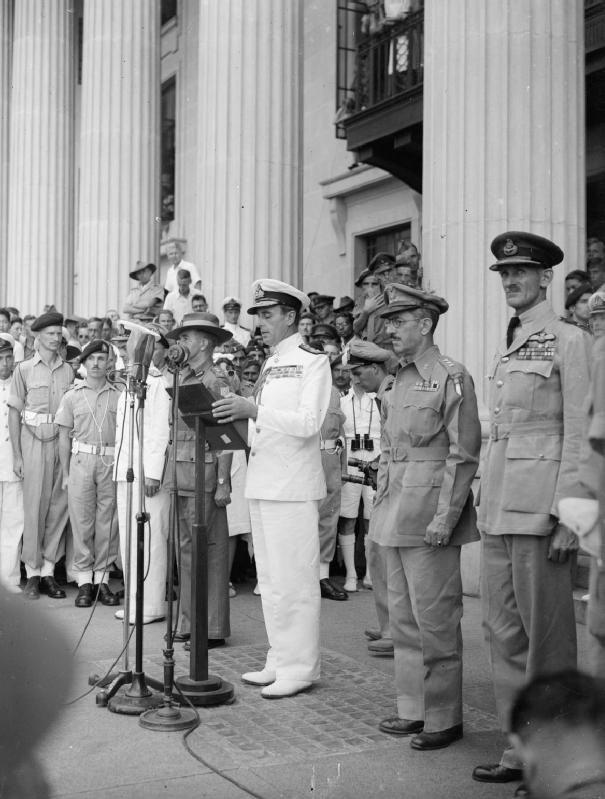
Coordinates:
454 370
307 348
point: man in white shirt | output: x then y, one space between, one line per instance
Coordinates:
284 484
175 256
231 310
179 301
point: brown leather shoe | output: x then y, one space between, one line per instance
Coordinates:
49 587
397 726
497 773
84 598
436 740
106 596
32 588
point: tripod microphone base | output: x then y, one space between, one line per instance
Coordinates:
169 718
206 693
135 698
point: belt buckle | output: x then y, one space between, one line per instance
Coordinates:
97 449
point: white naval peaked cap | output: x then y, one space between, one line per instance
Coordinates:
267 292
231 301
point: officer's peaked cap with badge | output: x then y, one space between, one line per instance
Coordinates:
365 273
7 342
325 330
381 259
96 345
364 353
267 292
596 304
139 267
49 319
231 302
323 299
524 249
203 321
398 297
345 303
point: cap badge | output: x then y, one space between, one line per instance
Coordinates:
510 248
259 293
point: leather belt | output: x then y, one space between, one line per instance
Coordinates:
34 419
414 454
499 431
90 449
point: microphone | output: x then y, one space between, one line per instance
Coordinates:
177 356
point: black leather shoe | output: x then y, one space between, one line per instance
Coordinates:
436 740
522 790
32 588
497 773
331 591
49 587
106 596
212 644
84 598
397 726
178 636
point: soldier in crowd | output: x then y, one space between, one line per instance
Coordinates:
334 464
596 308
232 308
576 304
165 319
423 513
305 325
575 279
11 486
201 333
343 324
595 262
368 364
323 308
87 435
381 266
538 384
146 300
199 304
37 387
284 484
368 323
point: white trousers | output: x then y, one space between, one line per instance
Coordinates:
11 532
156 535
286 549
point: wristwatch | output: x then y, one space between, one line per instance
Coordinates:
221 481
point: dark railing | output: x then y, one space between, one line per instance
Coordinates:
388 62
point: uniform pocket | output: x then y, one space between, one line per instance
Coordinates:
530 473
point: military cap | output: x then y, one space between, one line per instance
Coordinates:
381 259
72 352
231 302
308 315
203 321
96 345
160 332
363 276
596 304
526 249
362 353
324 329
344 304
49 319
323 299
141 265
383 268
74 319
7 342
398 297
268 292
576 294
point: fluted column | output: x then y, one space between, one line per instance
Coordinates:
119 149
40 227
6 54
503 150
249 107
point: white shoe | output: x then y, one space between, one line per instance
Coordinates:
264 677
282 688
256 591
351 584
119 614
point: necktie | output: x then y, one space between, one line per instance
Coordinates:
513 324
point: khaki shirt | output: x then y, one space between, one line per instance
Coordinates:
144 300
431 438
36 387
90 414
538 388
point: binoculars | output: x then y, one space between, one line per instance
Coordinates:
358 443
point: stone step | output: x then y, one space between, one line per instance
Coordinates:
580 601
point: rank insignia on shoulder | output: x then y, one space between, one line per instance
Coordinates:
426 385
313 351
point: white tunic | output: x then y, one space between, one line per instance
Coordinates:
293 395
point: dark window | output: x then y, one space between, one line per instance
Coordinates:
168 10
383 241
168 145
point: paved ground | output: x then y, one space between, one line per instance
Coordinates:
324 743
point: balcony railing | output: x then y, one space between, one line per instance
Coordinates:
378 64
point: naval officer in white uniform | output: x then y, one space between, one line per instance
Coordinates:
284 484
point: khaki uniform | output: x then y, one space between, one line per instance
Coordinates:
372 327
216 518
333 461
140 298
11 502
90 416
430 445
36 391
537 392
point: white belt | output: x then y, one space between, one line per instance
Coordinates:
90 449
34 419
330 443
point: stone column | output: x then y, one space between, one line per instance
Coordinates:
249 180
6 54
503 150
40 233
119 150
